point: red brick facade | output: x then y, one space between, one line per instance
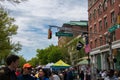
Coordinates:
102 15
75 29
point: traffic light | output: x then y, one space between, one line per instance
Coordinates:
49 34
79 45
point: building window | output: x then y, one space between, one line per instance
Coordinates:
113 36
95 43
105 22
105 39
95 28
90 3
90 17
90 32
112 2
113 18
101 41
105 5
100 25
91 45
100 9
94 14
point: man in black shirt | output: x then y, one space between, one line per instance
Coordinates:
8 72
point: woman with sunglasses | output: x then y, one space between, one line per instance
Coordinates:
43 74
26 71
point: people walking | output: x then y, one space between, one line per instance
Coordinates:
8 72
81 75
55 75
26 73
70 74
43 74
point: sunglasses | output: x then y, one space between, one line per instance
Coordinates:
29 68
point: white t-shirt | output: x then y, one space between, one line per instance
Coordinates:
56 77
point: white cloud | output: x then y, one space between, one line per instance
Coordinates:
34 16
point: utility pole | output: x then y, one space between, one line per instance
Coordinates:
87 46
110 51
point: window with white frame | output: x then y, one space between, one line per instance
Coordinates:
91 44
113 18
113 36
95 28
112 2
91 32
100 25
105 39
100 9
101 41
105 22
105 5
96 43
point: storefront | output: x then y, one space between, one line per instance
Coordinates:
100 57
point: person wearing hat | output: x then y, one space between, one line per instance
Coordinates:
26 70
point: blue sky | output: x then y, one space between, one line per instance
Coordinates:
34 16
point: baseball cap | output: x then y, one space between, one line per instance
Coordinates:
27 65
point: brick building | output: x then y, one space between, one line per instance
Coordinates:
74 27
103 15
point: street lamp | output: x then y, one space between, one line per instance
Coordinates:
87 47
110 50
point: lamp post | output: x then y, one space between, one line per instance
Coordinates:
110 51
87 47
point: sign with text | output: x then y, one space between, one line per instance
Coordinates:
64 34
113 28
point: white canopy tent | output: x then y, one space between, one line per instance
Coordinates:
48 65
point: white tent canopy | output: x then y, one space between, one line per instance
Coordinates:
48 65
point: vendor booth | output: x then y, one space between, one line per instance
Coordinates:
60 65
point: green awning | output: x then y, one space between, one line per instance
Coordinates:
78 23
83 62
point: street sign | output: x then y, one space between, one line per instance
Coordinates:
113 28
64 34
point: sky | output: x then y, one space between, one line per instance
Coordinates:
34 16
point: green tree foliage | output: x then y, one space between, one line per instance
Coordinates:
34 61
55 54
76 54
65 54
22 61
7 30
50 54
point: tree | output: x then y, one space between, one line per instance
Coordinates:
72 48
42 56
7 30
50 54
34 61
22 61
56 52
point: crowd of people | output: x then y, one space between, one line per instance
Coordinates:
107 75
27 72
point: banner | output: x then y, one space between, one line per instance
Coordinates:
87 48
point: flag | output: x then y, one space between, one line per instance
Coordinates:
87 48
